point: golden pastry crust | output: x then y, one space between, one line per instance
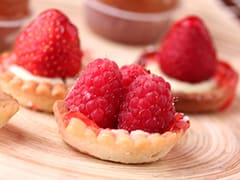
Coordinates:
31 94
209 101
114 145
8 107
215 99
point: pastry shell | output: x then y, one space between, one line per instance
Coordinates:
8 107
218 98
116 145
208 101
36 95
215 99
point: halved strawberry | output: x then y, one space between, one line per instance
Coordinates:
49 46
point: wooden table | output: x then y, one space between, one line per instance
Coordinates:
31 148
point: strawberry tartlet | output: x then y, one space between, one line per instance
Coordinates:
188 60
44 62
124 115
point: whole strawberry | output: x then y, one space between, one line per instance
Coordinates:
187 52
49 46
148 106
98 93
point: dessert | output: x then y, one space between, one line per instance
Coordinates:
187 58
44 62
8 107
118 118
131 22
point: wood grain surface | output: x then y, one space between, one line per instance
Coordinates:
31 148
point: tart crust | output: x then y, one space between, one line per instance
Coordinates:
115 144
215 99
39 96
8 107
209 101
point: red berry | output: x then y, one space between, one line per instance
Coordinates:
130 73
187 52
49 46
147 106
97 93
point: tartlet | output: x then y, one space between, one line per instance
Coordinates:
188 60
29 93
97 116
218 98
8 107
40 68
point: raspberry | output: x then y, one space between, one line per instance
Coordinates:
131 72
187 52
97 93
148 105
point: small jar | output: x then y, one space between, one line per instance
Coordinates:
129 21
13 14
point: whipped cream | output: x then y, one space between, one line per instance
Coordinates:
181 86
27 76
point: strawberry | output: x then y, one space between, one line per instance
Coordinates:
49 46
187 51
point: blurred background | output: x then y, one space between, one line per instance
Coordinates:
222 17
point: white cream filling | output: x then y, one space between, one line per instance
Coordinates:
27 76
181 86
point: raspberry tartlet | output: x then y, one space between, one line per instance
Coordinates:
8 107
122 115
44 62
188 60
